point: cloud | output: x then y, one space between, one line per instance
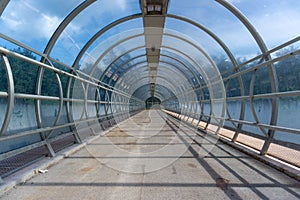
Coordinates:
121 4
26 22
234 1
276 24
278 27
29 20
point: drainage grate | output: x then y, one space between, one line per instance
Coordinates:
17 162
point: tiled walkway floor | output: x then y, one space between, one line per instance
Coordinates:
153 156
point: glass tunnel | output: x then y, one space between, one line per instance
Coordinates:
72 69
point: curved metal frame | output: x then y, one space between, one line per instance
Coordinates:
98 34
65 23
11 94
231 57
116 59
220 42
272 72
110 48
138 35
123 97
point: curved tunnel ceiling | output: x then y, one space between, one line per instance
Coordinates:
197 51
136 11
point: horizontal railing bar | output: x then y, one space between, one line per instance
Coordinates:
262 55
40 130
51 59
261 65
271 127
22 45
33 96
3 94
257 96
27 59
32 146
40 97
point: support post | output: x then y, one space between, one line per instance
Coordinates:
267 143
49 148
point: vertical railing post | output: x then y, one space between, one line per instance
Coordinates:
11 93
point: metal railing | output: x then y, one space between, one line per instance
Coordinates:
66 101
194 110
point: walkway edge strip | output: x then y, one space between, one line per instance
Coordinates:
284 168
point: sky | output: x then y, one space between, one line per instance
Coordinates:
32 22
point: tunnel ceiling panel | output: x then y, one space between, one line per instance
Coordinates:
219 20
178 56
193 32
117 44
88 22
111 49
124 63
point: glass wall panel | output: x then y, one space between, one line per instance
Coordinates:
88 23
24 82
287 106
288 73
23 117
33 22
219 20
233 112
276 22
250 118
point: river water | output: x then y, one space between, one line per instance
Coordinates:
23 116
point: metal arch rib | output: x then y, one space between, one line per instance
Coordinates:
99 33
146 61
223 46
138 35
93 68
47 52
167 81
169 63
119 68
195 76
159 76
210 33
3 5
272 72
247 24
120 56
65 23
11 95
